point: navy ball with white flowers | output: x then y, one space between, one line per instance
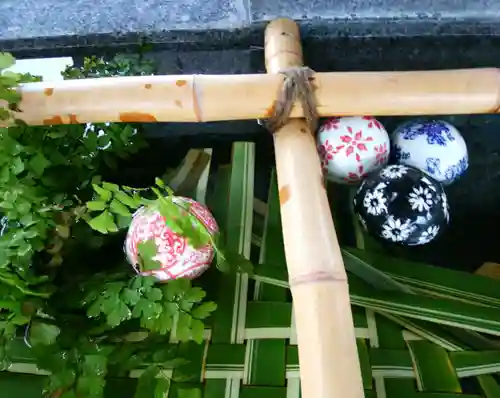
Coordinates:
402 205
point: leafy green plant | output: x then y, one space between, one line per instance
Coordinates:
120 65
8 86
115 205
156 308
61 291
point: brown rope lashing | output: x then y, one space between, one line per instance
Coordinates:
296 86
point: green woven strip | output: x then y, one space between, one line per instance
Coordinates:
490 387
224 358
271 314
230 316
262 392
468 287
215 388
267 358
428 358
395 362
474 363
364 361
425 330
389 334
442 311
190 178
396 388
359 317
371 275
218 199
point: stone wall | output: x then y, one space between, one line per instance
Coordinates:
43 24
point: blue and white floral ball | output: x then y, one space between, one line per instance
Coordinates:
433 146
402 205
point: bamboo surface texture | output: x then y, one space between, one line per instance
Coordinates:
329 364
203 98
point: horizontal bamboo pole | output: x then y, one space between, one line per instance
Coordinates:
328 357
203 98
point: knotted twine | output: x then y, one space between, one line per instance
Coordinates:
296 86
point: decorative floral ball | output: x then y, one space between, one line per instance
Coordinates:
434 146
401 204
351 147
177 257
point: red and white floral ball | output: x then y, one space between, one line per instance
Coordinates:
177 257
351 147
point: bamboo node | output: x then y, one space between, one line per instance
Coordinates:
317 277
296 86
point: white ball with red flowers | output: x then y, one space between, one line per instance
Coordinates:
176 256
352 147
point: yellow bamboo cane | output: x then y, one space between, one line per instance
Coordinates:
203 98
328 357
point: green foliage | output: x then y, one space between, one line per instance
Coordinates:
231 261
78 371
152 383
8 90
147 250
57 218
120 65
44 173
156 308
115 205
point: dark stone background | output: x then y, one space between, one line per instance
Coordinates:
68 23
227 38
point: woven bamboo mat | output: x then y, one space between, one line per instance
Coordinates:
422 332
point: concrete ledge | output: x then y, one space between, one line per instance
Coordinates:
58 24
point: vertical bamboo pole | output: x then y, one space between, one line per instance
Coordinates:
329 364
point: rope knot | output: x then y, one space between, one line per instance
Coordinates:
296 86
